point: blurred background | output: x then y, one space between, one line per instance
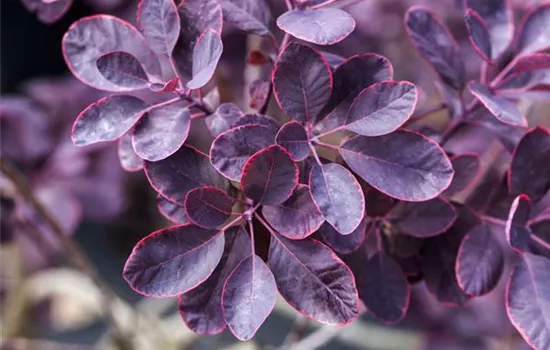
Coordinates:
50 297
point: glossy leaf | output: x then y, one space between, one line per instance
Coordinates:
269 176
313 280
249 16
518 234
467 169
208 207
295 218
206 54
534 32
302 82
201 307
248 297
338 196
423 219
479 34
385 290
91 37
529 171
326 26
528 300
293 137
479 262
258 119
504 110
436 45
231 149
344 244
404 165
107 119
223 118
123 69
172 211
183 171
128 158
160 24
382 108
174 260
161 132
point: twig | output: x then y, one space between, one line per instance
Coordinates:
423 113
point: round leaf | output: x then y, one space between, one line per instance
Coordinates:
206 54
160 24
208 207
123 69
293 137
344 244
518 234
504 110
129 160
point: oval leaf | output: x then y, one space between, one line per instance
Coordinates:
423 219
479 262
182 172
129 160
534 32
201 308
161 132
270 176
338 196
326 26
479 35
174 260
297 217
528 300
302 82
258 119
436 45
91 37
518 234
382 108
248 297
249 16
404 165
160 24
313 280
344 244
172 211
467 169
293 137
504 110
206 54
123 69
208 207
48 11
529 172
223 119
232 149
107 119
385 290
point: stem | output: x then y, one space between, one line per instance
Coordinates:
197 103
315 155
483 72
162 104
288 4
328 145
260 219
540 241
285 41
323 4
503 73
500 222
428 111
251 231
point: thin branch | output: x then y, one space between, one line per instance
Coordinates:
323 4
502 223
426 112
329 146
540 241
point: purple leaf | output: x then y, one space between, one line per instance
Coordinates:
107 119
231 149
160 24
518 234
161 131
201 307
398 245
129 160
269 176
208 207
344 244
498 20
313 280
182 172
504 110
172 211
302 82
259 92
174 260
295 218
529 172
382 108
333 60
326 26
293 137
338 196
196 18
435 44
350 78
534 32
257 119
479 262
248 297
528 300
123 70
385 290
91 37
467 169
48 11
423 219
251 16
479 35
223 118
206 54
404 165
